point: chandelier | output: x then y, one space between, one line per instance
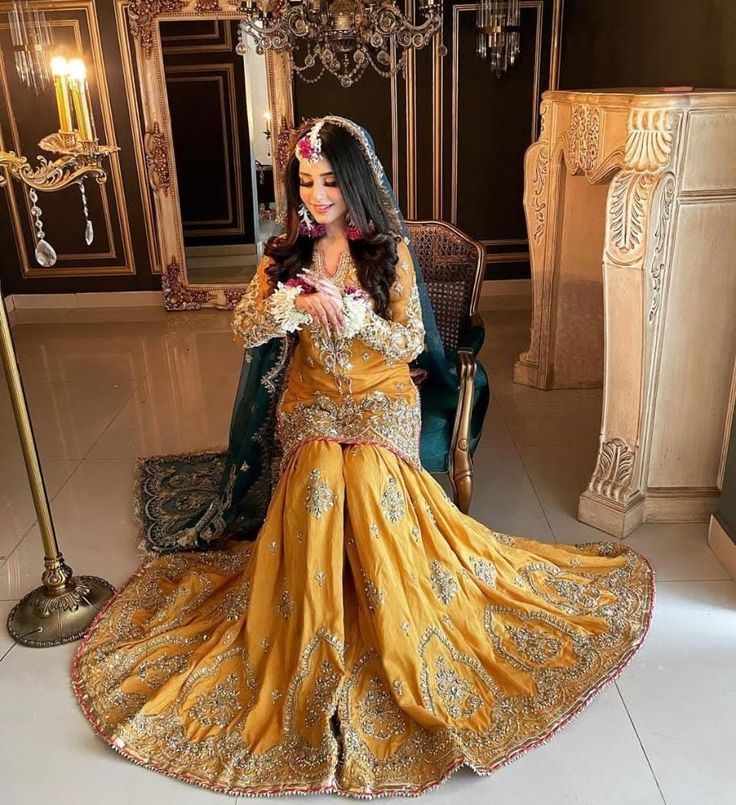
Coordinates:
341 37
498 28
30 35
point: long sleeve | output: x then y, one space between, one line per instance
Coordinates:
402 338
263 313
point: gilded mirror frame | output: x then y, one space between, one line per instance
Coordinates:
143 19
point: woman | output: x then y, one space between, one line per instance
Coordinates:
373 638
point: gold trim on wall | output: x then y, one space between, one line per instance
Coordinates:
555 55
395 183
437 118
411 134
281 104
226 46
107 134
536 5
137 133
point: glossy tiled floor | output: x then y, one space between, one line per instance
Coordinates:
108 386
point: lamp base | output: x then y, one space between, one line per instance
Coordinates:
44 618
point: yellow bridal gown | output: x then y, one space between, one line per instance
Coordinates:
373 638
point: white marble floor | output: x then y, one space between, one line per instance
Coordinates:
108 386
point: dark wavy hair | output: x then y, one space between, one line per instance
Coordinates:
374 254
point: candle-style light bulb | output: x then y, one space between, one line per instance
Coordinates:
80 99
60 72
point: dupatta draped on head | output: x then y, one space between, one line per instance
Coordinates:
241 498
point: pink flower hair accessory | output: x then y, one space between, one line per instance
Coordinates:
309 146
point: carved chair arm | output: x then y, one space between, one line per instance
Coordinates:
461 466
473 335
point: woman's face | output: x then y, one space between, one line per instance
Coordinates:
319 192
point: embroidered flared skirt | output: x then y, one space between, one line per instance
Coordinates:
370 641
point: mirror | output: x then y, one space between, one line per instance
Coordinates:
220 121
204 133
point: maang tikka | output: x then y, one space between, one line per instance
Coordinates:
309 149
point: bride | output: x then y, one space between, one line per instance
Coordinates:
372 638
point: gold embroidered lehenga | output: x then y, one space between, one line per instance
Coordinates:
373 638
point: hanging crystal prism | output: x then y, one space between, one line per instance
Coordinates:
45 254
89 230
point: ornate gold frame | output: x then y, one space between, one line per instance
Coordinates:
143 17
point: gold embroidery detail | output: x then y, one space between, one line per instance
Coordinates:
253 318
392 502
217 706
334 355
534 644
285 605
584 596
155 672
444 583
458 694
380 716
397 341
484 570
319 497
374 596
375 419
504 539
322 700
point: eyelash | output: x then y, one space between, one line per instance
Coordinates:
327 184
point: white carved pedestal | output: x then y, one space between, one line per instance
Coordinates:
630 201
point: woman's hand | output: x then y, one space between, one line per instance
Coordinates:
324 305
321 283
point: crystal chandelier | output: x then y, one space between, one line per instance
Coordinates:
498 27
342 37
30 34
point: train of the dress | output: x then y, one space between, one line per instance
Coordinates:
369 642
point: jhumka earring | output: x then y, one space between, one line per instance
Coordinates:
351 230
308 226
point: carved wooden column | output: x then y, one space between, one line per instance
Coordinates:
631 211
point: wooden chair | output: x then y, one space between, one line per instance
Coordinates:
453 266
